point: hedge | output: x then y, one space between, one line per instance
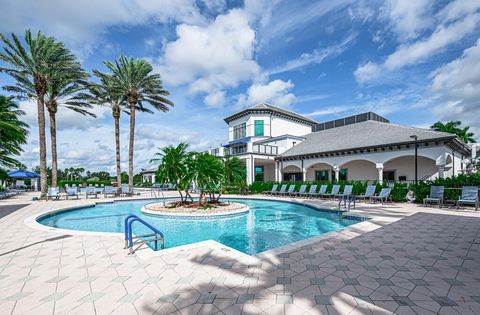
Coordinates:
62 183
399 189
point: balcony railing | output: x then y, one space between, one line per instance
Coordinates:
265 149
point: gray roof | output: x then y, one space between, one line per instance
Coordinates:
266 108
361 135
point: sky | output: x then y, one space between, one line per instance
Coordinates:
414 62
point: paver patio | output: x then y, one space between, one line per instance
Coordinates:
405 260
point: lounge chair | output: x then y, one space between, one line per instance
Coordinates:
436 196
333 193
53 193
109 190
71 192
321 192
469 196
90 191
281 191
290 190
312 190
274 189
369 192
382 196
300 191
125 191
347 191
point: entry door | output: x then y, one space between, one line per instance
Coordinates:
292 177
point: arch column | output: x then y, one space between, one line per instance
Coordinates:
337 172
441 171
379 167
249 167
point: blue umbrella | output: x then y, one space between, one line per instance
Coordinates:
22 174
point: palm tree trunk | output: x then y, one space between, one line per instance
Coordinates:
42 146
116 119
53 139
131 147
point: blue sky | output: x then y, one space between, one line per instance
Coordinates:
414 62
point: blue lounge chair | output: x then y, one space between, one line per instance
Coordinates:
300 191
333 193
109 190
383 195
125 191
53 193
281 191
312 190
90 191
435 196
71 193
274 189
290 190
469 197
347 191
321 192
369 192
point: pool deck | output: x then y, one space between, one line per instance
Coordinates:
406 260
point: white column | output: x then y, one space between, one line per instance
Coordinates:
304 174
249 165
337 172
153 178
380 172
277 172
441 171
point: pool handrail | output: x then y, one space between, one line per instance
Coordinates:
129 235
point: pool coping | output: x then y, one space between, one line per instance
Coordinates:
146 252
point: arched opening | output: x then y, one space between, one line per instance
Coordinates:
320 172
403 168
292 173
358 170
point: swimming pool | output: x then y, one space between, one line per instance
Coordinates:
269 224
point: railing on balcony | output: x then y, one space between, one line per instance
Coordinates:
265 149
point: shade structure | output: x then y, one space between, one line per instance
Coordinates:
22 174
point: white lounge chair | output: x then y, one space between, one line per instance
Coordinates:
290 190
281 191
369 192
333 193
435 196
347 191
53 193
91 191
109 190
469 197
274 189
71 193
312 190
382 196
321 191
125 191
300 191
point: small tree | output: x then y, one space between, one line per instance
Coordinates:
208 174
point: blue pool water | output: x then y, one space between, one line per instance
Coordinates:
269 224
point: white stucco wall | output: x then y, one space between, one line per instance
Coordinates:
282 126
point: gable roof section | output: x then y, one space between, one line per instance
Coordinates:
367 134
269 109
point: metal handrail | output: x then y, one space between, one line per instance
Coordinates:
158 235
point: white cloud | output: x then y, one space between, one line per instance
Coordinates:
213 57
277 93
422 49
457 9
408 18
458 86
82 23
215 99
315 57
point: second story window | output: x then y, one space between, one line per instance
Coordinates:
259 128
239 131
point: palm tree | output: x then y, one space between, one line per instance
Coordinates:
32 67
107 93
208 173
13 132
174 167
60 91
454 127
139 86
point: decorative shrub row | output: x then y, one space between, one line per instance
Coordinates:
453 186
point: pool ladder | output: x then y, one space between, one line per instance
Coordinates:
131 240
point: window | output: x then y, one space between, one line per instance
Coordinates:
321 175
342 174
216 151
258 128
389 176
239 131
259 173
238 149
293 143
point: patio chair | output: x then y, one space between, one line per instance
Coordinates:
281 191
71 192
333 193
382 196
290 190
436 196
347 191
321 192
53 193
469 196
125 191
312 190
274 189
109 190
90 191
369 192
300 191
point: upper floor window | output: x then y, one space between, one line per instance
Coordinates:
239 131
259 128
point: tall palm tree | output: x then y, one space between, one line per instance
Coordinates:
107 93
32 66
139 86
13 132
454 127
60 92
